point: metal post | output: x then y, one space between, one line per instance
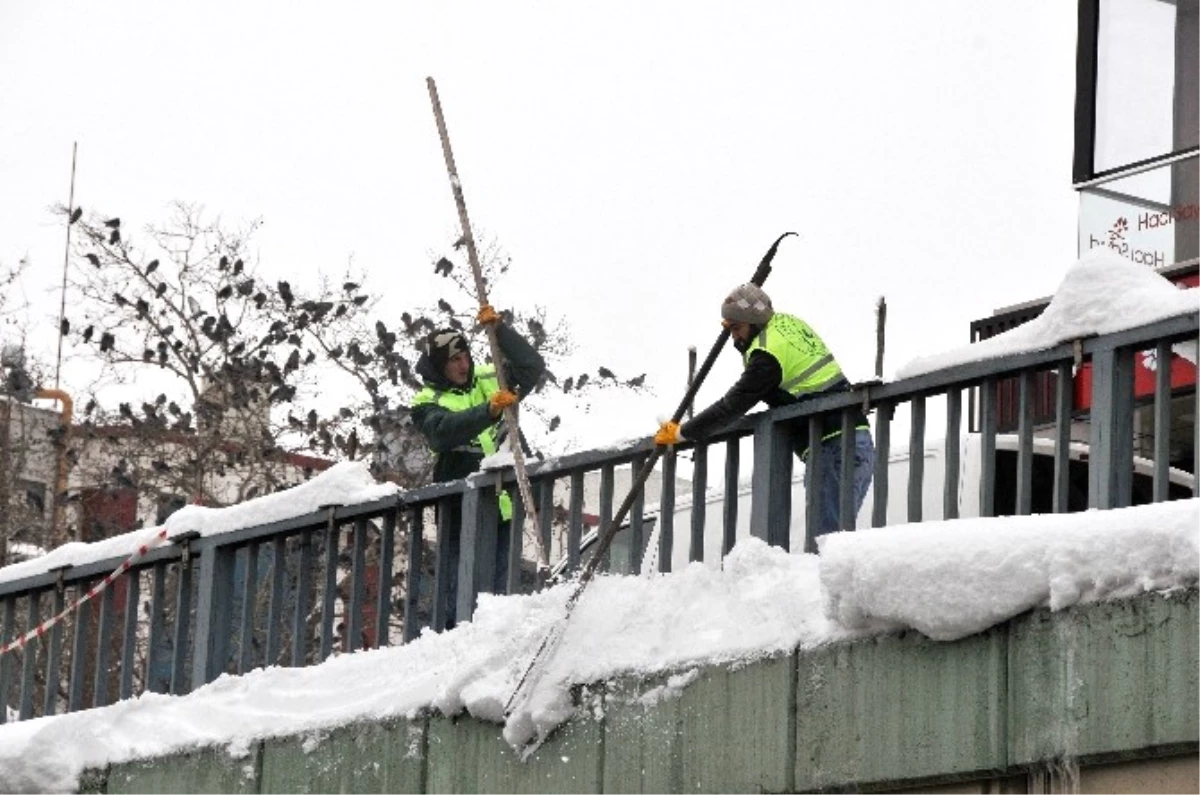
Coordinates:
953 450
699 487
771 480
879 480
916 460
214 614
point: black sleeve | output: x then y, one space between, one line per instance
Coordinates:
761 377
444 429
523 364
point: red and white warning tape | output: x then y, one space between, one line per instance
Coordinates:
95 590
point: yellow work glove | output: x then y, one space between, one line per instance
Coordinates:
501 400
487 315
668 434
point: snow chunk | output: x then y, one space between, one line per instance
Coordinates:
346 483
1100 294
952 579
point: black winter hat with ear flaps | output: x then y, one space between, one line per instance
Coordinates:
442 344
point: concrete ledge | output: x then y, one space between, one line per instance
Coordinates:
205 770
1048 701
1099 681
901 707
363 757
467 755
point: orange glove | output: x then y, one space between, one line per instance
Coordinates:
668 434
487 315
501 400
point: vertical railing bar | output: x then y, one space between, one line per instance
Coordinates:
545 513
729 506
1162 420
477 548
29 662
953 453
246 660
358 585
916 460
441 567
383 595
1195 425
1064 394
104 635
666 513
329 589
607 493
54 650
812 490
129 629
183 612
514 555
157 635
637 522
303 592
987 443
413 577
78 654
699 490
7 633
846 473
1024 505
575 520
879 479
275 611
1123 427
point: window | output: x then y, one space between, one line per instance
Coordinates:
1137 129
1137 83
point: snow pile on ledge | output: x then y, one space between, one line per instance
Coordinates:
764 601
952 579
946 579
346 483
1100 294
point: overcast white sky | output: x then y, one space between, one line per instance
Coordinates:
635 162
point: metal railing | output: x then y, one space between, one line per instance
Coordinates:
350 577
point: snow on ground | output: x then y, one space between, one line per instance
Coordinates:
1101 293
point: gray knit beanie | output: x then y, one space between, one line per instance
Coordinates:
748 304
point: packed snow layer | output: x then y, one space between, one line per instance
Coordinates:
951 579
1100 294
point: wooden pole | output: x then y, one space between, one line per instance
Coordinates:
510 412
62 312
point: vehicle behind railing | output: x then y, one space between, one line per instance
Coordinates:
358 576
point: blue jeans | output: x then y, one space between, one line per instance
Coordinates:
831 481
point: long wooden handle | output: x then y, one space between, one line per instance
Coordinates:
510 412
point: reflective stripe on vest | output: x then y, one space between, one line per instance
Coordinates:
483 386
805 360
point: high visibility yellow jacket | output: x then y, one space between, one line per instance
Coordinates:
785 362
455 420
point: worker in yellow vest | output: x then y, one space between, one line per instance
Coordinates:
785 362
459 411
